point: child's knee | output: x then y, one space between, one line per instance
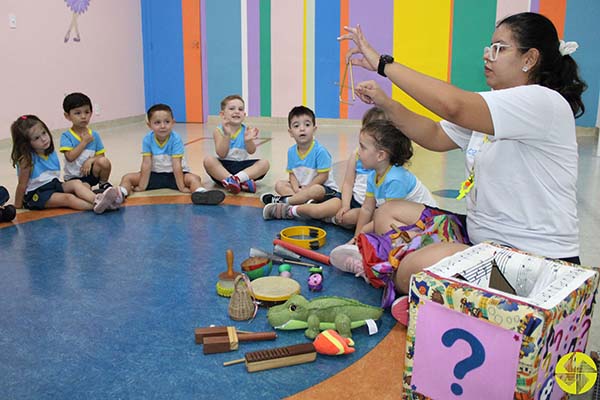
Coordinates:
103 163
209 161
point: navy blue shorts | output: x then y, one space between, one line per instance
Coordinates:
162 180
354 203
37 199
89 179
233 167
331 193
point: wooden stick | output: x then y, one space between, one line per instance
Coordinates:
233 362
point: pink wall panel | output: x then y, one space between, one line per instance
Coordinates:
106 64
286 55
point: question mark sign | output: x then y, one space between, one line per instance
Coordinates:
586 327
475 360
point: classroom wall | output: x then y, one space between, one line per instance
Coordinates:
280 53
39 68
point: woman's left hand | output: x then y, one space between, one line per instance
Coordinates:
370 59
370 93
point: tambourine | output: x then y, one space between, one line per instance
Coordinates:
272 290
308 237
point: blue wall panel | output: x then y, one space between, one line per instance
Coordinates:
223 51
581 26
327 64
163 55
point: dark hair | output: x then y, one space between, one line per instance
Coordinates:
229 98
553 70
298 111
21 148
391 140
75 100
373 114
158 107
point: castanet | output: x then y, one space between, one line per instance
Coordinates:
221 339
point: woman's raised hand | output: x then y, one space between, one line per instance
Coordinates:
370 57
370 93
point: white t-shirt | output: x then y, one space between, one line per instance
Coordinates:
525 192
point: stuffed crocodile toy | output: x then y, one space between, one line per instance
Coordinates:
329 312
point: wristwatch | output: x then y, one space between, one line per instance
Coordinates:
384 60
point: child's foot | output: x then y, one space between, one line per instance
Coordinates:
105 200
208 197
249 186
269 198
277 211
347 258
232 184
399 310
102 187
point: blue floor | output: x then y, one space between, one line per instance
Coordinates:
105 306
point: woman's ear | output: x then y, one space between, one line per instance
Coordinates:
531 58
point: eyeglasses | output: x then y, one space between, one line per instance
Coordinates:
343 86
492 51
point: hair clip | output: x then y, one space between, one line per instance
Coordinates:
23 117
567 48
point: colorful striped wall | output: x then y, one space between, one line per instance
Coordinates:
281 53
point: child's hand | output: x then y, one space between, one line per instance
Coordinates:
339 216
352 241
86 168
86 137
251 133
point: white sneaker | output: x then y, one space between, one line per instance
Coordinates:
277 211
347 258
105 200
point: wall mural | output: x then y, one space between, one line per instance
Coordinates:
78 7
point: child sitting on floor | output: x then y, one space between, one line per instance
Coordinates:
163 163
234 142
309 167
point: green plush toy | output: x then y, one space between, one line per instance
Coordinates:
329 312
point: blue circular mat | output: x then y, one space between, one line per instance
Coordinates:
105 306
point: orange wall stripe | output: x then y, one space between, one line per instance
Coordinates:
556 11
192 60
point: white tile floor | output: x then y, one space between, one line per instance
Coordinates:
437 171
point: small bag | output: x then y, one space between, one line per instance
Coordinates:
242 305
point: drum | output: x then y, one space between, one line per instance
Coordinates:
272 290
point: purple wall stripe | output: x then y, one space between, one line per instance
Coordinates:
253 99
376 17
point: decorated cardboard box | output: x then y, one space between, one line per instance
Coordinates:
469 339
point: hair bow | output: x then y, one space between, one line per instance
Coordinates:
567 48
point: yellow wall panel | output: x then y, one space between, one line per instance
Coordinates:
422 34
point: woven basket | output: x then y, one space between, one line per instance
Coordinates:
241 304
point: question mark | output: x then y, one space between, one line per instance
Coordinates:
475 360
586 327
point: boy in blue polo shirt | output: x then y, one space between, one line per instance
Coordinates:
163 163
309 166
82 147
